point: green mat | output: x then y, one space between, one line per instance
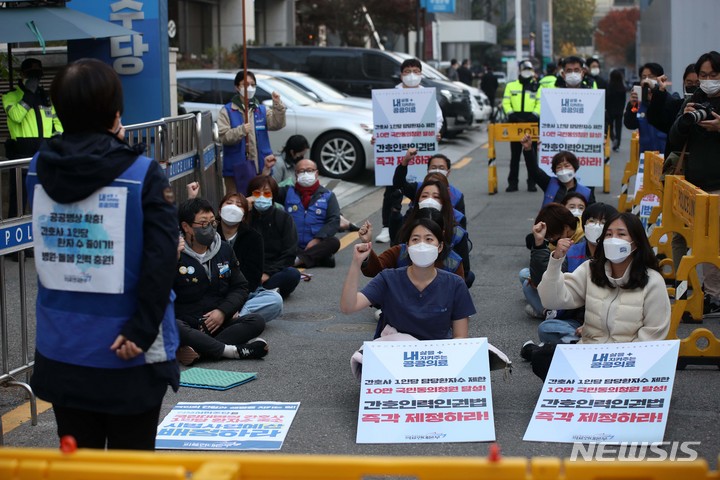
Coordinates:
214 379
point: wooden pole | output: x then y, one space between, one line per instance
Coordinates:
245 77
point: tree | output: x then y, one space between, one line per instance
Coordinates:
346 19
615 36
572 23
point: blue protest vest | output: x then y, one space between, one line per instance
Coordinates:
235 154
307 222
450 263
79 327
554 186
651 139
576 255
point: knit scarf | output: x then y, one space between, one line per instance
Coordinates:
306 193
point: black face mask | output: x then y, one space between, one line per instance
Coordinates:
690 89
204 236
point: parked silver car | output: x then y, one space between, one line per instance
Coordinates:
317 89
339 135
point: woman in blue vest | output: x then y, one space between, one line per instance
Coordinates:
245 139
106 333
565 166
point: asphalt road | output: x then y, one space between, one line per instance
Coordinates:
311 344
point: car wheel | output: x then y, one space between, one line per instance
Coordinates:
339 155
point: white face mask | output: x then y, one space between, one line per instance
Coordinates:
573 79
411 80
438 170
565 175
231 214
306 179
577 213
710 87
527 74
595 72
616 249
430 203
592 232
250 91
423 254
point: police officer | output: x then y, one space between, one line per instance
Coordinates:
521 103
549 80
30 118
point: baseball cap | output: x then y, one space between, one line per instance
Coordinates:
31 64
526 65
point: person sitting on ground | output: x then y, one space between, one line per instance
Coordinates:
437 163
279 236
553 222
316 213
560 326
248 246
396 291
576 203
565 166
621 288
211 293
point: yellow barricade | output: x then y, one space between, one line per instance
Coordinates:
653 185
505 132
695 213
606 165
16 464
631 168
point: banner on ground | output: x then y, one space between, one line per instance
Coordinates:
573 119
226 426
403 118
426 392
606 393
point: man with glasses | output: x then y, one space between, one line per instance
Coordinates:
211 307
316 213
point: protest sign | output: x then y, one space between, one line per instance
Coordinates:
606 393
426 392
403 118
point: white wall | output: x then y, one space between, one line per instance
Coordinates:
231 22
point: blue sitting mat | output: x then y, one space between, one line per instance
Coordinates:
214 379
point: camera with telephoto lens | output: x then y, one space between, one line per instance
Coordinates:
703 111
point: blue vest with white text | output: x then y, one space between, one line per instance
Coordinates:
554 186
235 154
307 222
79 327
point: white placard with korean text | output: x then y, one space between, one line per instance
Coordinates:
426 392
226 426
403 118
80 246
648 202
573 119
606 393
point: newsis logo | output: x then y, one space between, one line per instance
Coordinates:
426 436
635 451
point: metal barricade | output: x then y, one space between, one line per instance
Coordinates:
188 150
15 239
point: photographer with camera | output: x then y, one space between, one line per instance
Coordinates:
635 117
698 129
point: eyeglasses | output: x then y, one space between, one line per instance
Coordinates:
307 170
214 224
258 194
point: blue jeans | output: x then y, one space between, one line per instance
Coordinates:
531 294
558 331
266 303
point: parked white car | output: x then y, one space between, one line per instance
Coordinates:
339 135
318 89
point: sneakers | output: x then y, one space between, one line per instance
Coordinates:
186 355
532 313
527 350
255 348
384 236
710 307
377 314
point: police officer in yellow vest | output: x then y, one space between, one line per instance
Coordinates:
548 81
30 118
521 103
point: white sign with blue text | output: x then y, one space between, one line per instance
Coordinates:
426 392
606 393
226 426
403 118
573 119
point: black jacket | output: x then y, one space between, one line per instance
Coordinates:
250 252
410 189
199 292
277 229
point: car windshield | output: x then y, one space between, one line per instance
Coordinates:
287 90
322 90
